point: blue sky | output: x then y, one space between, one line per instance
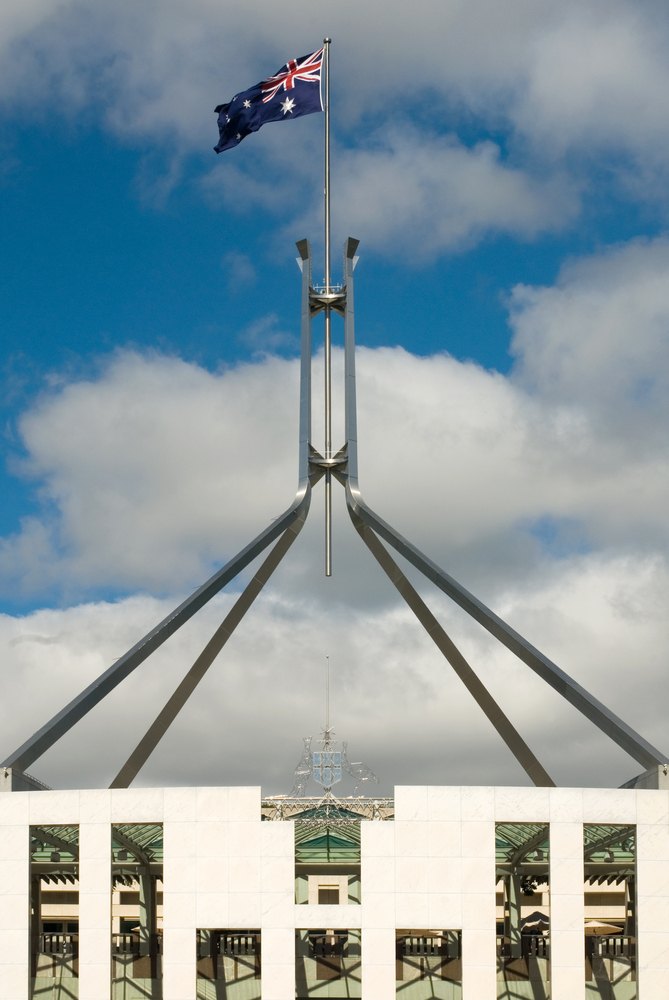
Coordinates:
504 166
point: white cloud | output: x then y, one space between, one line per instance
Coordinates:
157 468
393 697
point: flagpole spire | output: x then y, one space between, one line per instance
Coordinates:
327 317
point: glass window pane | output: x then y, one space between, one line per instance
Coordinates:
523 910
54 912
137 910
609 853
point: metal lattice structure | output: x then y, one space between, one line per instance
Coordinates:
374 531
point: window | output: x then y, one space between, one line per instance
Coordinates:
54 911
428 964
136 944
228 964
328 963
610 912
523 910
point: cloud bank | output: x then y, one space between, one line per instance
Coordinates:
545 491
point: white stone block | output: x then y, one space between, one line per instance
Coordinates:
137 805
212 840
377 944
566 841
444 875
244 838
445 911
211 875
653 878
179 910
378 981
94 910
244 804
179 982
179 805
93 980
609 805
477 803
478 911
443 803
412 909
479 982
212 910
444 839
278 874
568 981
244 874
278 981
652 842
95 843
245 909
411 875
95 806
522 805
14 809
478 840
567 913
179 874
212 805
14 909
14 980
652 806
278 943
278 840
410 839
378 875
306 915
478 874
410 802
278 909
566 805
52 808
377 839
14 875
378 909
653 949
14 840
180 840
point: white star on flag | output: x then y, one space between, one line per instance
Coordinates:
288 105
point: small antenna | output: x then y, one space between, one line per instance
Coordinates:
327 694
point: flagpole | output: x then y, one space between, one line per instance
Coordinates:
327 316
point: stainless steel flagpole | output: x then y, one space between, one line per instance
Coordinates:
327 319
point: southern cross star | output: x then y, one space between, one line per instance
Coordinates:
288 105
247 104
239 135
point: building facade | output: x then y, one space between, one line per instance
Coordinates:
452 892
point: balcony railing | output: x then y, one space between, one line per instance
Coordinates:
59 944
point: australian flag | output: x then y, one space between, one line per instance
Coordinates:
294 91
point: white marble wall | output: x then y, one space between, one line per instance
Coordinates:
432 867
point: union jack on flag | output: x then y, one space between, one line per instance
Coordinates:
308 68
292 92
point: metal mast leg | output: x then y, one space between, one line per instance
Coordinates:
328 320
476 688
157 730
